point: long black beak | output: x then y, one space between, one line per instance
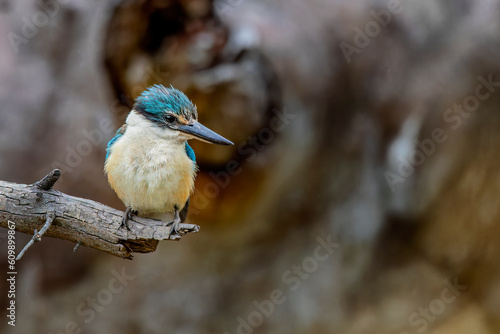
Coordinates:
203 133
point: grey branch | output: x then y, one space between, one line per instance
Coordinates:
48 181
82 221
37 236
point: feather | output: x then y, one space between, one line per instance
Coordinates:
117 136
156 101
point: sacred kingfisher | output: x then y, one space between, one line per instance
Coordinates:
149 163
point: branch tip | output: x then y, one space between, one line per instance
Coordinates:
77 246
49 180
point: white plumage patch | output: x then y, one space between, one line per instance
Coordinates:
149 169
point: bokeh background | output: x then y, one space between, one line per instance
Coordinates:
361 195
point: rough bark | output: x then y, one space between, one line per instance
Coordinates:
80 220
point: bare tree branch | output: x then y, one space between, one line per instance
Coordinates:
79 220
37 236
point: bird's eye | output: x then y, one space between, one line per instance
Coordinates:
170 118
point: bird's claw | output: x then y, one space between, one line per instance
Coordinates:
127 216
175 232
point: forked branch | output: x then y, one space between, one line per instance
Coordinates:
48 212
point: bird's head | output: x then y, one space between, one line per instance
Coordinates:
172 111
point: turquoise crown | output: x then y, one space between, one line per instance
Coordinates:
156 101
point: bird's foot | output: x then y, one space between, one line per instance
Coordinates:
127 216
175 232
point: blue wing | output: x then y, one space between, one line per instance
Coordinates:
117 136
192 156
190 153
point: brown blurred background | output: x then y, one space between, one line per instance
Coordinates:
361 195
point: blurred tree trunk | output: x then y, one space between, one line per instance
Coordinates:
360 129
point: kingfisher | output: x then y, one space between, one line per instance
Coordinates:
149 163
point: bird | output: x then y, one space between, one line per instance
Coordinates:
149 163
